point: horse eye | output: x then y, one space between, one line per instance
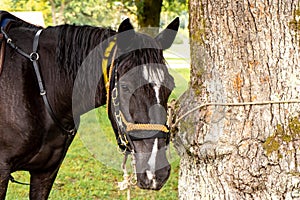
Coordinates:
125 88
152 84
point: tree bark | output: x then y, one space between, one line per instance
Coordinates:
241 51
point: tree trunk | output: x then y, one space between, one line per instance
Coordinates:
241 51
61 12
148 15
53 12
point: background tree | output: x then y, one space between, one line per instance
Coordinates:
148 12
57 10
241 51
90 12
143 13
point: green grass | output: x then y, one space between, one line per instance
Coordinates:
91 169
181 77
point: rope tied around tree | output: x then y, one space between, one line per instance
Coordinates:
172 108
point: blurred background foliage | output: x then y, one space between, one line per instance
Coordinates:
107 13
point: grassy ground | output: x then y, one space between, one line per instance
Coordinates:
91 168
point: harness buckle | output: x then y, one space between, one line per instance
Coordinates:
114 94
43 92
118 117
114 97
34 56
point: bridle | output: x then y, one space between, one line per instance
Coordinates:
127 131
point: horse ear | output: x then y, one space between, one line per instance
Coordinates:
167 36
125 26
125 34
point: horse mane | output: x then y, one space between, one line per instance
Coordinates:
75 42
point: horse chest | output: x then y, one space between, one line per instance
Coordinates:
50 154
31 150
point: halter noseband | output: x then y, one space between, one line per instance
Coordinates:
127 131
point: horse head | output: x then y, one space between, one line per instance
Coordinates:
139 88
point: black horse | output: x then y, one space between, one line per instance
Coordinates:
51 76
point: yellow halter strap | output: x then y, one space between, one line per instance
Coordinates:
105 62
106 77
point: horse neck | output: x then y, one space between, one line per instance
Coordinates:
78 56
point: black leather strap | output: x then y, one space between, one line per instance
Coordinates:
10 42
34 57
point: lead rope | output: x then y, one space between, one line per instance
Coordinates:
129 180
259 103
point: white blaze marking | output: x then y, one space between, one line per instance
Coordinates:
156 89
156 76
153 74
152 161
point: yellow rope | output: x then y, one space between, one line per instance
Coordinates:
147 127
143 127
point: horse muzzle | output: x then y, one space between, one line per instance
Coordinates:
153 180
152 166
